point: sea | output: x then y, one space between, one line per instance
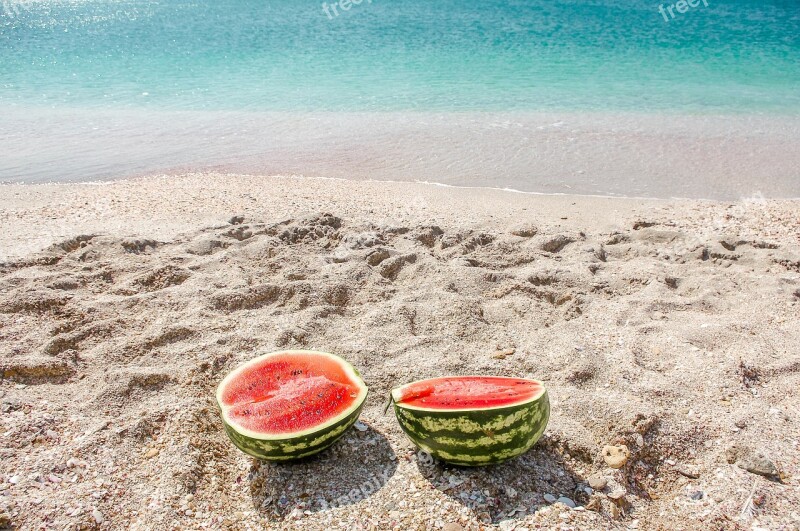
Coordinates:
692 98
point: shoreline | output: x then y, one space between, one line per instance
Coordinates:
178 174
651 155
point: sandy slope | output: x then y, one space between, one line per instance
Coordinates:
669 327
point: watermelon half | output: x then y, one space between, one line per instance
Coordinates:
473 420
291 404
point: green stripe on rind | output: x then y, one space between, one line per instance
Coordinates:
292 447
476 437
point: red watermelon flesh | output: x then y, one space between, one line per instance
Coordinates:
469 392
289 393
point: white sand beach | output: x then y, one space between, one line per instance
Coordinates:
670 327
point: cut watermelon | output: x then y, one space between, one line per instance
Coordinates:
473 420
292 404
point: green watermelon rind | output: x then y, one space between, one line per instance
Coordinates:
475 437
302 444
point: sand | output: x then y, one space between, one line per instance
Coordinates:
670 327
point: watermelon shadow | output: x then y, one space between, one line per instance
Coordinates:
516 488
355 467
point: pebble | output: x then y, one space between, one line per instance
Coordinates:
549 498
452 526
697 495
758 464
152 452
616 456
503 354
360 426
13 480
752 461
98 516
598 482
566 501
617 494
506 525
684 470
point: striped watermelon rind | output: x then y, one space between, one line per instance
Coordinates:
297 445
475 437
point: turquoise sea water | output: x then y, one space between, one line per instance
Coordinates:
732 56
530 94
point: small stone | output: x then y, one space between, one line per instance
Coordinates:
98 516
684 470
758 464
152 452
451 526
360 426
506 525
503 354
511 492
549 498
618 494
697 495
752 461
741 424
566 501
597 482
13 480
616 456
